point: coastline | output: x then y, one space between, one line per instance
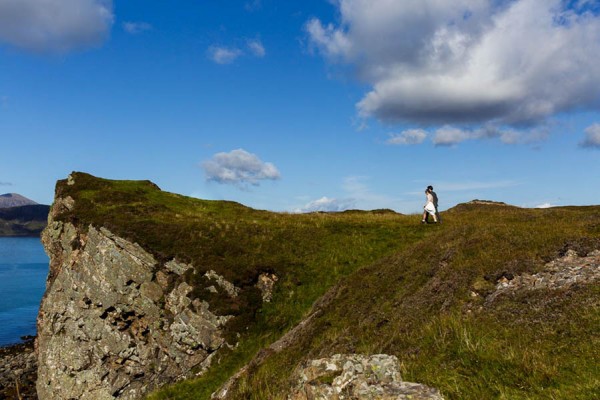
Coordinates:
18 370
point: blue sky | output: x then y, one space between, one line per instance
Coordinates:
306 105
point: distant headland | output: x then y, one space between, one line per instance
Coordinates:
20 216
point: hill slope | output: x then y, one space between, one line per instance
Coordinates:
451 301
440 307
499 303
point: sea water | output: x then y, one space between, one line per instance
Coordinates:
23 271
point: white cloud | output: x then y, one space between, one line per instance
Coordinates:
545 205
407 137
327 204
227 55
239 167
224 55
467 61
256 48
136 28
55 26
449 135
592 137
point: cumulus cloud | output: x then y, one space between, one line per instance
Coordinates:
407 137
467 61
224 55
592 137
55 26
449 135
328 205
545 205
136 28
239 167
256 48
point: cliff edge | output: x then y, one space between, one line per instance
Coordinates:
115 321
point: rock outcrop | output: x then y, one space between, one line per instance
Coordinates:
115 322
562 273
357 377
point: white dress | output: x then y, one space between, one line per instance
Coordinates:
430 207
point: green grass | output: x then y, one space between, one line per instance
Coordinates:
399 288
309 253
417 305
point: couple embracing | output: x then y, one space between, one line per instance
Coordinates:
431 206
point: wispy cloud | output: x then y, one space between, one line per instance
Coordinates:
592 137
328 205
256 48
55 26
227 55
407 137
239 168
6 184
135 28
224 55
357 187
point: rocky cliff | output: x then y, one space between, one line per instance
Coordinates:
115 321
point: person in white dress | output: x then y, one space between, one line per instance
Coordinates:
430 207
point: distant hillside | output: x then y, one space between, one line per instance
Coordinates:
14 200
28 220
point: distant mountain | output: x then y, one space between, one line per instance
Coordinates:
28 220
15 200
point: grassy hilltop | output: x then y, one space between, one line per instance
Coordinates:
381 283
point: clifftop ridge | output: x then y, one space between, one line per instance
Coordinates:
225 290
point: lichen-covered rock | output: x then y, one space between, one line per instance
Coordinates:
114 323
356 377
228 287
265 284
562 273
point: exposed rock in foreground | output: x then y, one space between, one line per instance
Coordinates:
18 370
115 322
357 377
